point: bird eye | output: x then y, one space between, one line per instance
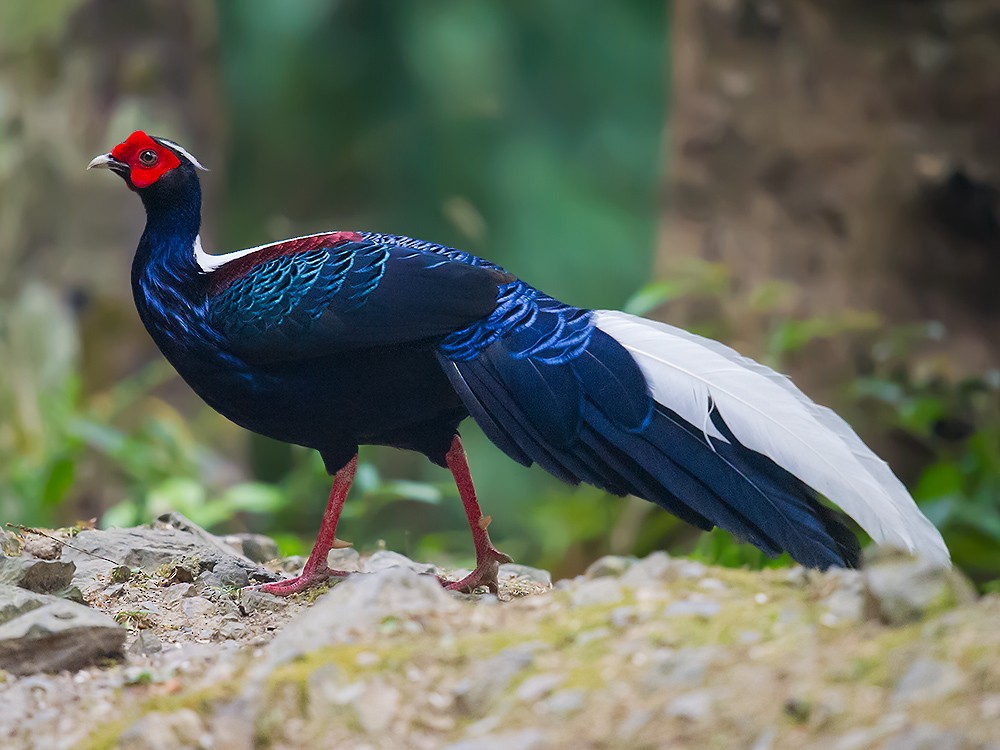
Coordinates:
148 157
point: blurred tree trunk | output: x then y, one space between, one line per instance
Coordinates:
849 147
76 77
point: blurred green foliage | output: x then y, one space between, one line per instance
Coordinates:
956 426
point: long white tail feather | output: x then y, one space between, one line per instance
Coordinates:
767 413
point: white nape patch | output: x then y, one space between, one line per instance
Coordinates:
768 414
183 152
209 263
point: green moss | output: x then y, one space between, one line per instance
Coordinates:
310 595
106 736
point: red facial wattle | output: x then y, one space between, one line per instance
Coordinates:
145 174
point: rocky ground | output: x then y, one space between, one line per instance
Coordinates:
146 639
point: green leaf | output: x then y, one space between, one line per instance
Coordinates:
59 481
938 481
651 296
253 497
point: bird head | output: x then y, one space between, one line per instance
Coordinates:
146 162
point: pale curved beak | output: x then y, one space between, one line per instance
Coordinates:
107 161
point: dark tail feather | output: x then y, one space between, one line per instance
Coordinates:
608 432
846 540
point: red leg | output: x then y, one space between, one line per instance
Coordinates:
488 559
316 570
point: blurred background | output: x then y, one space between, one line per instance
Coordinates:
816 184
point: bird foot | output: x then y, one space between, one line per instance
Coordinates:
306 580
485 574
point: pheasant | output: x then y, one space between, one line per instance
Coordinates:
347 338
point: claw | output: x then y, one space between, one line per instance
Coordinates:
303 582
485 574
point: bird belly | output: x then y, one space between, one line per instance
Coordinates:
388 396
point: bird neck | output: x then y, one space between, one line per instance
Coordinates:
168 285
172 223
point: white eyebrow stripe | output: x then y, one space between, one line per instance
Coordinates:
183 152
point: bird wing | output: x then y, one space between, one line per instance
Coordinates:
319 295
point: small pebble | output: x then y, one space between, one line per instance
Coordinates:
693 706
43 548
197 608
692 608
562 703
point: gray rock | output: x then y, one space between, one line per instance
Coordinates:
172 540
146 643
16 601
232 630
622 617
142 548
655 567
255 600
989 707
562 703
177 592
42 633
636 719
323 690
256 547
376 707
291 564
42 576
179 730
693 706
765 740
928 680
475 694
359 604
609 565
538 686
597 591
230 609
712 584
345 558
847 601
198 609
684 668
231 572
925 737
690 569
899 590
385 559
706 609
43 547
524 572
527 739
590 635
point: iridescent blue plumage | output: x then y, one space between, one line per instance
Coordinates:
423 246
535 326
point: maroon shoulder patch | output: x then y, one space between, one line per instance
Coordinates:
223 276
